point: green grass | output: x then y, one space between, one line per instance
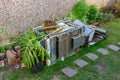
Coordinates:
89 72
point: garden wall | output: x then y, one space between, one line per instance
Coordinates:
17 16
102 3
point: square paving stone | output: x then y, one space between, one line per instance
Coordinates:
103 51
55 78
101 66
69 72
114 47
118 43
1 75
92 56
81 63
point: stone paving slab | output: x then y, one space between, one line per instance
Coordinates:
81 63
101 66
69 72
114 47
92 56
103 51
118 43
1 75
55 78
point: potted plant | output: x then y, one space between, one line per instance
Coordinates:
33 54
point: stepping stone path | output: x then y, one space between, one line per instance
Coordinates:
55 78
103 51
118 43
69 72
92 56
114 47
81 63
101 66
1 75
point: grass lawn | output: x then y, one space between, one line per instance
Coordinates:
110 69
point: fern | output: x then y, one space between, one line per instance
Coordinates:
31 49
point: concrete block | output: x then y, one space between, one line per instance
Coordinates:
114 47
81 63
103 51
92 56
69 72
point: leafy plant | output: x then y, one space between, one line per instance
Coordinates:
8 46
104 16
2 49
40 36
92 13
70 17
80 10
31 49
3 34
2 31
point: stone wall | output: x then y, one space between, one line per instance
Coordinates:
102 3
17 16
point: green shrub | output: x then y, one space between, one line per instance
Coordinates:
80 10
87 14
92 13
9 46
70 17
3 34
2 49
104 16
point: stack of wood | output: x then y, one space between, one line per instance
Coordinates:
49 25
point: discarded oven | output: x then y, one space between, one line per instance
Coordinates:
69 38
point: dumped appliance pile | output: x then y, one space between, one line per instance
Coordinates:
64 38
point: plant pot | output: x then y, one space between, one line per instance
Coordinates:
38 67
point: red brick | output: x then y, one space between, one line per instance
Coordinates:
11 57
2 63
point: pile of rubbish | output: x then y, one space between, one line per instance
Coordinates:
63 38
60 39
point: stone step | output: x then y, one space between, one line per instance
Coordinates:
81 63
55 78
103 51
118 43
1 75
92 56
114 47
69 72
